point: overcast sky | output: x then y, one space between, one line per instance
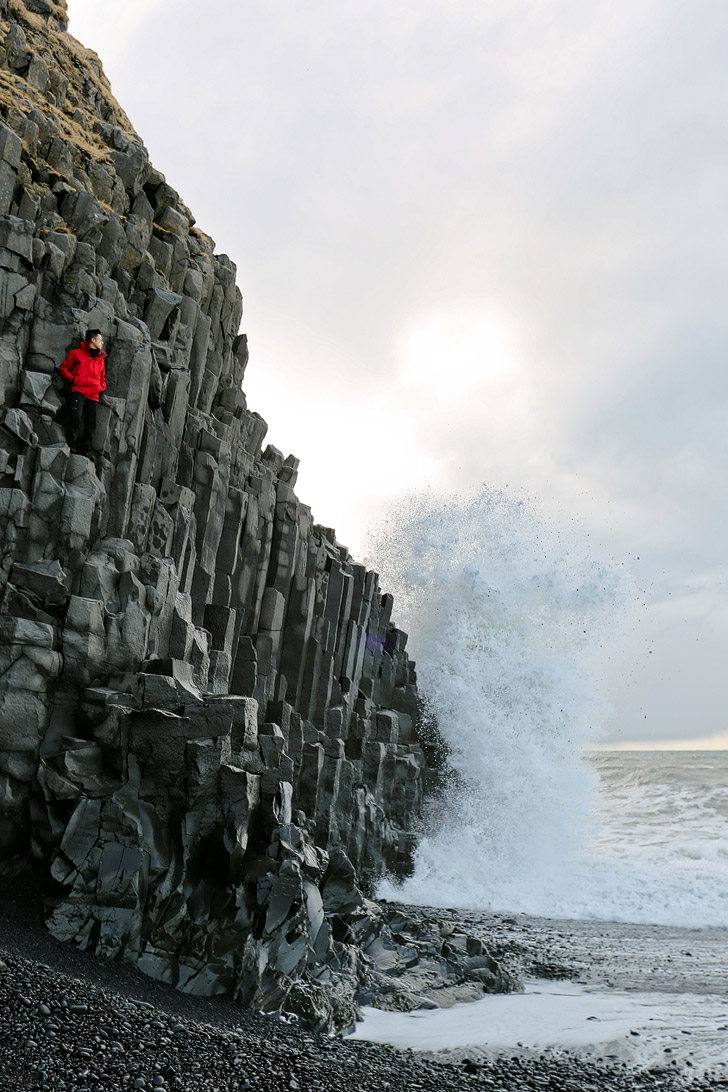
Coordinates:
481 241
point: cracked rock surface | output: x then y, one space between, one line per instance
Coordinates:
209 739
70 1022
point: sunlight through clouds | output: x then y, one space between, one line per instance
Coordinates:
461 380
477 242
451 353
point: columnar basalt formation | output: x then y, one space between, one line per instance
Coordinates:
208 721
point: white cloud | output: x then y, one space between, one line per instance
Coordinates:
411 189
93 21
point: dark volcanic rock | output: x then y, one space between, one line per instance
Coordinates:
208 734
113 1027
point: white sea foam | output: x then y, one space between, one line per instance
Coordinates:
658 849
506 614
640 1028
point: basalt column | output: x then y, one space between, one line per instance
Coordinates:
207 718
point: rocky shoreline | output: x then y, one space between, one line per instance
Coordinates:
71 1022
209 723
211 742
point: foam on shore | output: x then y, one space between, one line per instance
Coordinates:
640 1028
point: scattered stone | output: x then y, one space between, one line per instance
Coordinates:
231 1050
209 739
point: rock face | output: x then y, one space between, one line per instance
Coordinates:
207 719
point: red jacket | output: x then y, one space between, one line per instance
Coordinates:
85 373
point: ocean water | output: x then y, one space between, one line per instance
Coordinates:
649 994
508 615
616 862
642 1029
657 849
653 849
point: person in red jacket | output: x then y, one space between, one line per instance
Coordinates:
85 369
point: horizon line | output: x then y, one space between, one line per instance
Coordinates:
716 742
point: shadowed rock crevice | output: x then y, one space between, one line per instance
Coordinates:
208 730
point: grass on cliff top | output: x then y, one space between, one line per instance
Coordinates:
59 10
15 91
88 95
203 237
80 66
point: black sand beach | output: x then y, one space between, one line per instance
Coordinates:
72 1022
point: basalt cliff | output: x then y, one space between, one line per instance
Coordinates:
208 722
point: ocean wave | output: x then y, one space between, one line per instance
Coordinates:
505 611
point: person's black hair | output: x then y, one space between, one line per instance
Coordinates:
91 334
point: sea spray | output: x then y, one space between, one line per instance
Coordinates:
508 614
505 610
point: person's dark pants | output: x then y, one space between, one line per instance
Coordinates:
83 424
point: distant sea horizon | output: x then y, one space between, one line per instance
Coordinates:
638 909
645 842
717 742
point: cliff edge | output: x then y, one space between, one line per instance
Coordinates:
208 734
